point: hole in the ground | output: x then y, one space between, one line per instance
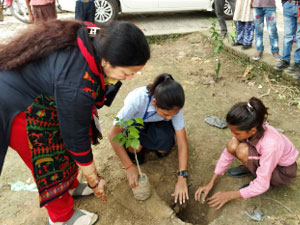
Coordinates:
194 213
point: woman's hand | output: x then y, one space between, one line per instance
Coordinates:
219 199
181 191
132 176
203 190
99 190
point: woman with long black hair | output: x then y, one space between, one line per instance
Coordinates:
52 78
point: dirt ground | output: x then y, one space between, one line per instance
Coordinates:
188 60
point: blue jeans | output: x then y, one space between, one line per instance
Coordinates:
259 16
291 28
85 11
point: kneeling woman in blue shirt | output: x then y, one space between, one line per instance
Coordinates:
160 105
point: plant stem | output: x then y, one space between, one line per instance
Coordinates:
137 163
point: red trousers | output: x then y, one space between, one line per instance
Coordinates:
59 209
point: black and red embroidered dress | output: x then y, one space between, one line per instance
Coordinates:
58 94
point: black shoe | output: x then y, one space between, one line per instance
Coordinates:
282 65
236 44
246 47
240 171
293 68
161 155
222 36
140 157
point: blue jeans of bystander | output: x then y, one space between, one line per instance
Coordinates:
291 29
259 15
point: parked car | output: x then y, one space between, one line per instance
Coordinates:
108 10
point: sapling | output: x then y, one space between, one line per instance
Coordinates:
130 138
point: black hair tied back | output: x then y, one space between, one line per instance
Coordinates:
168 93
246 115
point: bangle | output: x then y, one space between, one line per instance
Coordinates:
98 181
131 165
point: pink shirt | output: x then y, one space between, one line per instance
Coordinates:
41 2
275 149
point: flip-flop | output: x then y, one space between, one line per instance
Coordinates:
257 56
79 217
277 58
81 190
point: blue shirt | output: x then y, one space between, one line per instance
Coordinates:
136 104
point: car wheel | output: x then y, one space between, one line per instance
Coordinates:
106 11
227 10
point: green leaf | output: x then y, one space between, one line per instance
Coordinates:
128 143
132 130
118 137
123 141
130 122
139 121
135 143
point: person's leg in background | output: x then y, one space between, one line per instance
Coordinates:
219 9
239 33
270 14
248 35
297 51
258 18
79 12
290 23
295 68
91 12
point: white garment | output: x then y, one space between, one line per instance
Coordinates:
243 11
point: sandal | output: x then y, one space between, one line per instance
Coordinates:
277 57
257 56
81 190
80 217
240 171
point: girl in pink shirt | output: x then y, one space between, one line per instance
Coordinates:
267 154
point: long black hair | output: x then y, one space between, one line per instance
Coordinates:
246 115
120 43
167 92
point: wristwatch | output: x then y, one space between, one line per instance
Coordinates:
183 173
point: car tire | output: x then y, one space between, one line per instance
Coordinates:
106 11
227 11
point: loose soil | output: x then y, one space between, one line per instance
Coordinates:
189 60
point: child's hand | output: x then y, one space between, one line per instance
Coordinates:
203 190
221 198
99 191
132 176
181 191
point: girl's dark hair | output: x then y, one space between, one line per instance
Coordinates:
167 92
122 43
246 115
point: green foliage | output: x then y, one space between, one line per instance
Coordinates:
218 68
158 39
215 35
130 135
232 33
218 49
